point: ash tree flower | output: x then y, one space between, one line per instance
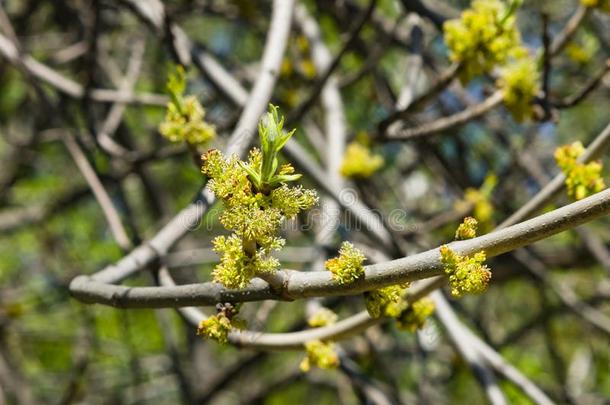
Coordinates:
347 267
392 302
582 179
360 162
416 314
321 354
184 118
217 327
256 199
467 229
519 81
603 5
322 317
480 200
484 36
467 274
387 301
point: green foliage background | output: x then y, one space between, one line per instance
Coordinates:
60 350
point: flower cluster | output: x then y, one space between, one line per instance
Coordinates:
217 327
603 5
484 36
582 179
322 317
391 302
387 301
184 118
479 199
359 162
301 52
467 229
414 317
467 274
320 354
583 48
256 199
519 81
347 267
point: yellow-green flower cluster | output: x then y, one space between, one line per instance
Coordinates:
322 317
484 36
519 83
184 118
391 302
414 317
467 229
582 179
256 199
467 274
237 267
359 161
388 301
347 267
217 327
479 199
320 354
603 5
583 48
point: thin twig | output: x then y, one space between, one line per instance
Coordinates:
462 341
70 87
301 109
101 195
445 123
587 89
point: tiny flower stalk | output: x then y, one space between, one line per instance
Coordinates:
582 179
256 199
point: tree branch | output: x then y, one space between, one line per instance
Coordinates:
311 284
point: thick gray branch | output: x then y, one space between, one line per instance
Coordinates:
312 284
